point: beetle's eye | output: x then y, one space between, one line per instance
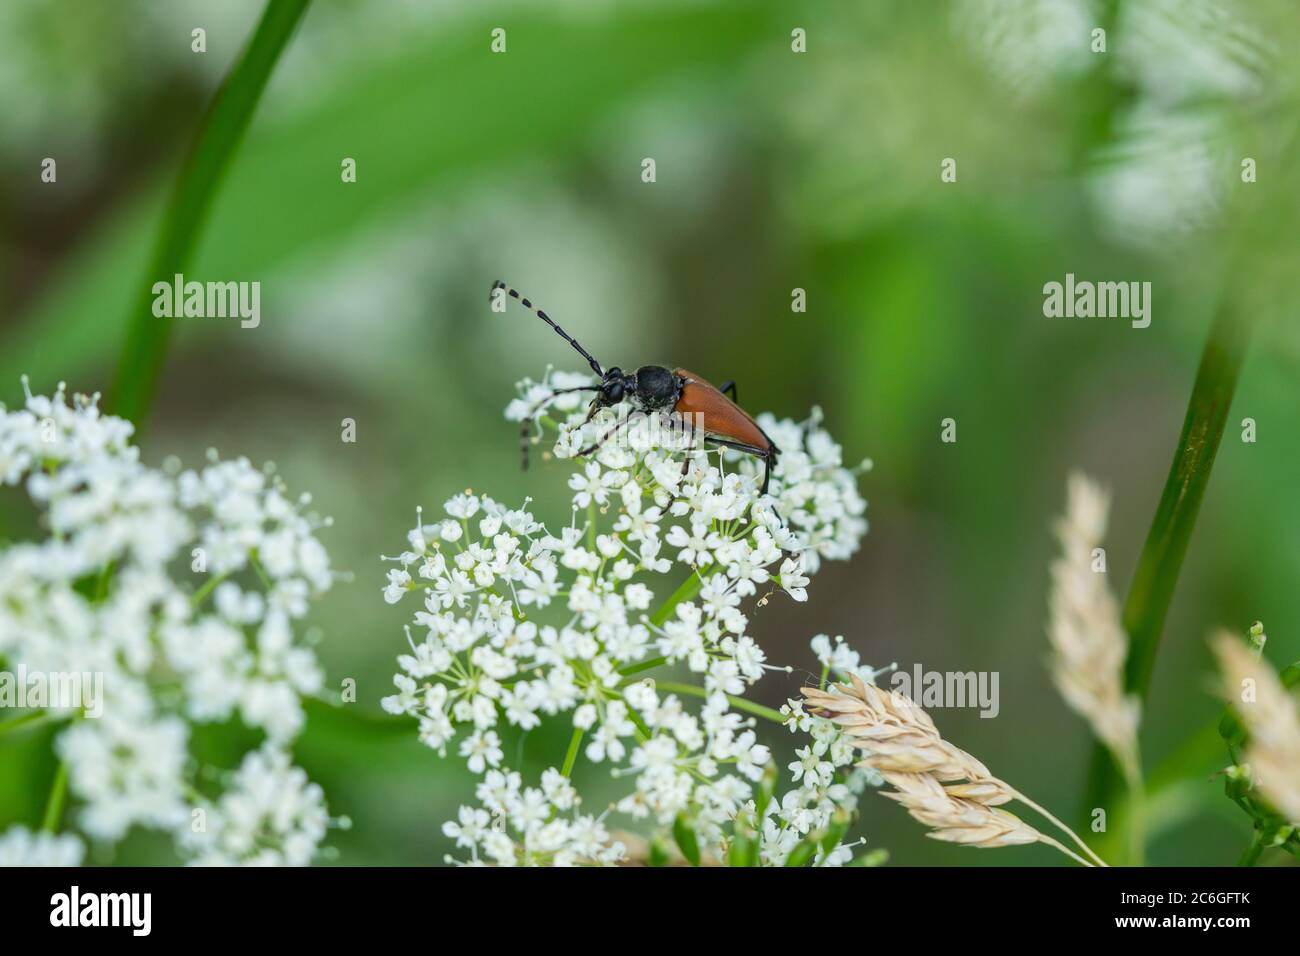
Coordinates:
614 392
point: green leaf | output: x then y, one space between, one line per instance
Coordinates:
220 133
839 826
687 842
766 790
658 852
57 799
804 850
1231 729
1290 675
1162 555
871 858
743 850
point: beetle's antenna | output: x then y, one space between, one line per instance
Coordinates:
595 366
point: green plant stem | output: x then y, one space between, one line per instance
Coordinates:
1167 800
642 666
758 710
209 586
1251 855
1137 847
1152 589
256 564
54 803
687 590
219 135
571 757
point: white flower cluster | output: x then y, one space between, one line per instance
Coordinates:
181 589
680 763
828 782
531 826
519 622
838 658
712 768
269 815
21 847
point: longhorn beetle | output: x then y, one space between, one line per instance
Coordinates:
653 388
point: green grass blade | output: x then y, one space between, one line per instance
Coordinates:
1152 589
219 135
1153 584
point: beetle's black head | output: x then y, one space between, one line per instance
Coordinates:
656 387
615 386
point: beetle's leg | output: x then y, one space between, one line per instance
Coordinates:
690 453
606 436
768 455
729 386
531 418
676 419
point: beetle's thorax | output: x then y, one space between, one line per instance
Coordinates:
654 388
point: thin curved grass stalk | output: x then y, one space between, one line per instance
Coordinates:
940 785
219 135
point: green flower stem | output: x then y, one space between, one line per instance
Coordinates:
571 757
209 586
261 571
58 796
1162 555
1253 851
643 733
1167 800
758 710
1137 842
642 666
219 135
688 589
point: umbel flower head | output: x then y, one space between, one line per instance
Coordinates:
174 597
520 620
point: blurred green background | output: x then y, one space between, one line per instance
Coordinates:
775 170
